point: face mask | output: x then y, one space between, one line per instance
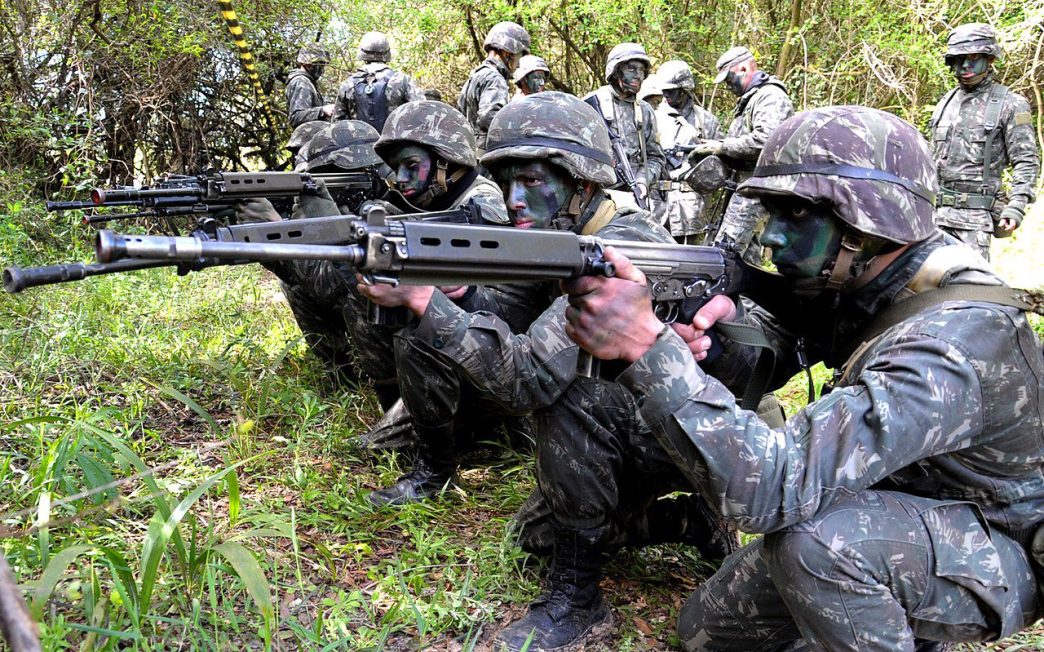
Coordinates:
970 68
412 165
534 82
735 83
629 78
675 97
535 192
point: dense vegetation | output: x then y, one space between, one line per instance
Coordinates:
228 509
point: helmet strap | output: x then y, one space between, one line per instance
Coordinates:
842 271
440 184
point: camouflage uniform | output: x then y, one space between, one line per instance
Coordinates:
970 202
486 91
303 100
632 120
688 212
903 502
373 91
762 107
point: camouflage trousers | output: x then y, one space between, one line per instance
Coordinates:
743 223
373 351
324 329
870 572
975 238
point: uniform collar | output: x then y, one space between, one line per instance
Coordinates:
498 65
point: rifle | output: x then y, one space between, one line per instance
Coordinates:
332 230
624 171
215 192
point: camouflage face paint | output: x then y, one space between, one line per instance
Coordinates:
736 83
412 165
534 192
970 68
534 82
629 77
803 236
675 97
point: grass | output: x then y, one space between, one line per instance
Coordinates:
254 533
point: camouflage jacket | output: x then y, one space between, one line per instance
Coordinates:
303 101
399 89
485 93
685 129
958 138
946 404
620 117
521 372
759 111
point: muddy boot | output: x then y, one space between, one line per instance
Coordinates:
571 613
685 519
434 470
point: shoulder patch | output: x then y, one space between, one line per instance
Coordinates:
1023 118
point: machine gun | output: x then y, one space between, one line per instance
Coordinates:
213 193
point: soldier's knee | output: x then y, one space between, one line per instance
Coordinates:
796 557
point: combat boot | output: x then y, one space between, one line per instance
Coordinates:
684 519
571 613
434 470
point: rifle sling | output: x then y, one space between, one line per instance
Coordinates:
764 366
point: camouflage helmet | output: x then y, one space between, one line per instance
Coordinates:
313 54
557 127
348 144
432 124
651 87
708 175
527 64
675 74
972 38
374 46
508 36
623 53
873 169
303 133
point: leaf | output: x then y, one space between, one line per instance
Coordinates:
232 481
643 626
191 404
253 578
52 575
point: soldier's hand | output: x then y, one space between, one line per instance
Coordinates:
258 209
414 297
706 148
453 292
719 308
643 190
612 318
327 111
1009 220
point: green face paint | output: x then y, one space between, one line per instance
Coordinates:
534 192
629 77
970 68
412 165
675 97
534 82
804 237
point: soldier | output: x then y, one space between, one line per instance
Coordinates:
651 93
553 165
978 130
301 136
630 121
486 90
763 104
683 125
374 90
304 102
531 75
905 501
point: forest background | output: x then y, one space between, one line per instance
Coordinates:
175 470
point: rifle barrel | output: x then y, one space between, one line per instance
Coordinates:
17 278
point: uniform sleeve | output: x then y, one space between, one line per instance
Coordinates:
492 96
655 160
490 201
343 109
918 397
303 103
522 372
768 109
712 127
1023 154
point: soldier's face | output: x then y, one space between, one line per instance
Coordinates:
970 66
629 77
804 237
534 192
675 97
736 80
534 82
412 165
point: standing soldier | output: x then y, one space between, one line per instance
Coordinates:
531 75
978 130
763 104
683 125
304 102
375 90
486 90
630 121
